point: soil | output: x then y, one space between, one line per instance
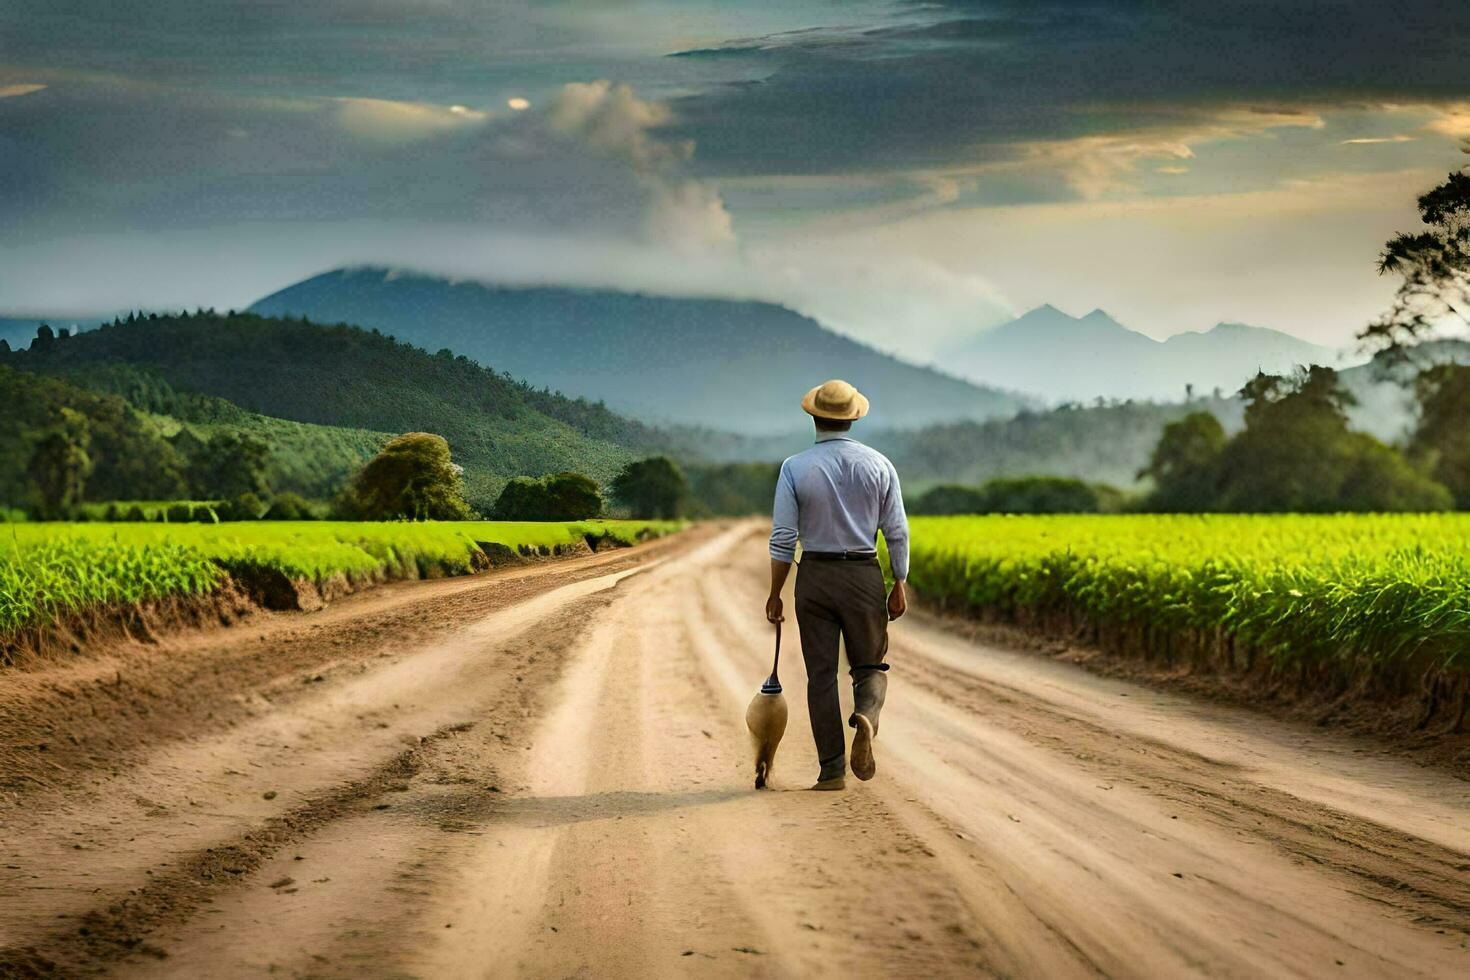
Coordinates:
544 771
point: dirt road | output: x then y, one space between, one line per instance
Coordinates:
544 773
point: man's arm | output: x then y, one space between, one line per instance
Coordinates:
783 540
895 526
779 571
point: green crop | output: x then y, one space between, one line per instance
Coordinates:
1356 590
50 570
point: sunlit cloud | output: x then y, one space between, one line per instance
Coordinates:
1372 140
1102 165
1453 121
518 104
12 91
390 121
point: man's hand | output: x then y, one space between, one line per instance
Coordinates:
773 610
898 602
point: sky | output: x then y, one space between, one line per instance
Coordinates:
908 172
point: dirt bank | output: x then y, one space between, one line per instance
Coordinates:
550 778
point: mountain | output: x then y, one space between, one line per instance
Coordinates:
347 377
1064 358
725 364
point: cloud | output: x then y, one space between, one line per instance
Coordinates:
1376 140
384 119
12 91
1453 121
684 212
1097 166
952 84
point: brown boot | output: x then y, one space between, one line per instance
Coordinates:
834 784
862 763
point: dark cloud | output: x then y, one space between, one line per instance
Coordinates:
101 157
963 82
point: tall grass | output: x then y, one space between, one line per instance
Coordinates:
48 571
1345 595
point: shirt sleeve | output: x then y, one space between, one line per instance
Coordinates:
783 517
894 524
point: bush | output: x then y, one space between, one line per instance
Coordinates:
558 497
949 499
733 489
290 507
653 487
135 514
1017 495
245 507
179 514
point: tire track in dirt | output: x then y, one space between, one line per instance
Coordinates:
71 721
207 819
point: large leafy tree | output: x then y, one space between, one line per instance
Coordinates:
650 488
1297 454
413 477
1185 465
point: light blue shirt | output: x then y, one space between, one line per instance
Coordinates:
836 496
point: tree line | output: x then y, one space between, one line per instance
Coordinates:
1296 452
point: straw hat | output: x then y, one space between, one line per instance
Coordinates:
836 400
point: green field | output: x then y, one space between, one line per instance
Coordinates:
51 570
1333 599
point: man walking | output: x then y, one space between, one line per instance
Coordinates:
834 498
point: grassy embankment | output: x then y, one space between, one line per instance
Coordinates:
49 572
1371 607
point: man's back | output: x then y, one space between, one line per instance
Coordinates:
834 497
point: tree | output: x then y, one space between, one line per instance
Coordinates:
228 465
1297 454
949 498
653 487
1442 438
1434 265
1040 495
289 507
412 477
59 465
1185 464
558 497
733 489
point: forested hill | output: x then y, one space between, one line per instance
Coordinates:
736 366
345 376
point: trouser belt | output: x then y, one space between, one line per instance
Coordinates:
839 555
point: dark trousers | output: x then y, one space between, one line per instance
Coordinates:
846 599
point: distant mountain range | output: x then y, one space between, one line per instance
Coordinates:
731 365
1064 358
